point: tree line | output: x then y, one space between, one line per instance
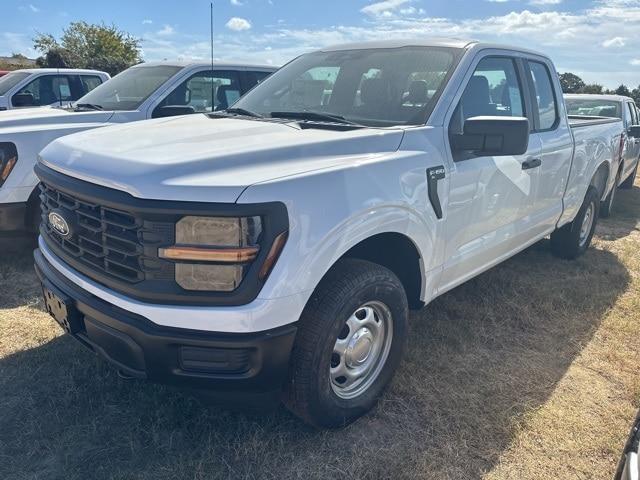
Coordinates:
572 83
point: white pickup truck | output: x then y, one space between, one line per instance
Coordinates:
585 106
148 90
273 250
40 87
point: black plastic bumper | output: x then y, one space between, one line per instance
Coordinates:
12 217
231 365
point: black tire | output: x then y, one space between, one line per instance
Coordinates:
628 183
350 284
606 206
566 242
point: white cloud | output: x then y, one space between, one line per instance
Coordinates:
166 31
498 1
545 2
635 62
238 24
146 21
236 3
383 8
614 42
33 8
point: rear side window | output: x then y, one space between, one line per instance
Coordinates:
545 97
89 82
630 114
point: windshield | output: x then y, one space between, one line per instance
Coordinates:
10 80
374 87
593 107
127 90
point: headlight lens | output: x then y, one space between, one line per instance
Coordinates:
8 160
214 253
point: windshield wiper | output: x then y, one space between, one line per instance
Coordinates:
90 106
241 111
312 116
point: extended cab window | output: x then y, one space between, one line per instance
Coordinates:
205 92
494 89
89 82
545 97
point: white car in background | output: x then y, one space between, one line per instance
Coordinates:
40 87
148 90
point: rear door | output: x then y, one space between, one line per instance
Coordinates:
632 147
491 198
551 127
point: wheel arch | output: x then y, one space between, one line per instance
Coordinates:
600 179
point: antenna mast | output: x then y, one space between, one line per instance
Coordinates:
213 100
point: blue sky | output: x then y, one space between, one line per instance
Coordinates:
598 39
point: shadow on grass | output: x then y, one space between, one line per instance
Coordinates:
479 358
625 217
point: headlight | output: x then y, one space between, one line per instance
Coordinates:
8 160
214 253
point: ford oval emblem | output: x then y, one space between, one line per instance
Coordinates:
59 224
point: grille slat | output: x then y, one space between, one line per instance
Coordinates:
102 237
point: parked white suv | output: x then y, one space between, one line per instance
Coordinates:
39 87
274 249
148 90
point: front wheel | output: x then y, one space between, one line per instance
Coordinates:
349 343
573 239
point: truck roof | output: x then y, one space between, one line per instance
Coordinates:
597 96
56 70
216 65
428 42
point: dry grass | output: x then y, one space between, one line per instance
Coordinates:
529 371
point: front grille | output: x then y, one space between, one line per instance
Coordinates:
101 237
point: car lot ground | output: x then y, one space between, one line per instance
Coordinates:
528 371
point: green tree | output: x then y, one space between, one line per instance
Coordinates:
623 90
635 94
592 88
571 83
83 45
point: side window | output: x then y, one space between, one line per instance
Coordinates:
89 82
47 90
545 97
254 78
494 89
205 92
630 115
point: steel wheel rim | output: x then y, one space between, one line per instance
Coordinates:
587 223
361 350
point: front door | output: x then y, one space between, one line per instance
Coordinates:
491 197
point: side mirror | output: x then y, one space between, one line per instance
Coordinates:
634 131
173 110
23 100
494 136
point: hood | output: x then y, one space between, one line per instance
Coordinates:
197 158
43 116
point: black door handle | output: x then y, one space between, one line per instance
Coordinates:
533 163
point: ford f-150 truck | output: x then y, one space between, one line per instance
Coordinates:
273 250
148 90
613 106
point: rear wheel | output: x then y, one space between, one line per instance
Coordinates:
573 239
628 183
606 207
350 342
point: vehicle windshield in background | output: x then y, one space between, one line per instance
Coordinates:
127 90
593 107
10 80
373 87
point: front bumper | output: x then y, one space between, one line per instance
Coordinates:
234 365
12 217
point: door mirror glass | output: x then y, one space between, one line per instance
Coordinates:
173 110
23 100
493 136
